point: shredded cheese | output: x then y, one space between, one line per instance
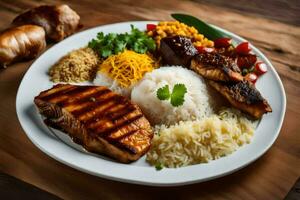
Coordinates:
127 67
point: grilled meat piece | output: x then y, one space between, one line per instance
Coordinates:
177 50
98 119
58 21
244 96
221 71
215 66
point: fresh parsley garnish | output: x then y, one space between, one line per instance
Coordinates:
163 93
159 166
112 43
177 95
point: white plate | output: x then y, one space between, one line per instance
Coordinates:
37 80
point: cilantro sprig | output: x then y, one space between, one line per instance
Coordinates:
176 97
112 43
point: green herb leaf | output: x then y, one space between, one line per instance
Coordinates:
105 52
112 43
177 96
163 93
159 166
207 30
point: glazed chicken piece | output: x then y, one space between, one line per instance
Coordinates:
179 50
58 21
217 67
98 119
221 72
243 96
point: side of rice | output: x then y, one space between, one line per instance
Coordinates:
77 66
104 80
196 101
194 142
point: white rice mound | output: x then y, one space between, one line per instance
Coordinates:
196 101
102 79
194 142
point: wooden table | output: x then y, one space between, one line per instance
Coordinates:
270 177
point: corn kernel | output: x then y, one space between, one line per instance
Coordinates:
210 43
163 35
160 31
172 28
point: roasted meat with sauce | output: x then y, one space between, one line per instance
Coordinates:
179 50
243 96
58 21
221 72
98 119
215 66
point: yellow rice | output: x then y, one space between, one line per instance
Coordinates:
194 142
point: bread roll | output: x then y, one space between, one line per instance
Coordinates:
23 42
59 21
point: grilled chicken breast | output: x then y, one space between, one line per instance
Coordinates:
98 119
244 96
217 67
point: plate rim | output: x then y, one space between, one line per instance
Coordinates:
143 182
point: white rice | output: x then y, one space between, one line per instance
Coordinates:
196 101
102 79
194 142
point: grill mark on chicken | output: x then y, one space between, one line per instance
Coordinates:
56 90
60 95
91 104
106 125
113 111
87 96
123 144
135 141
94 115
98 119
120 137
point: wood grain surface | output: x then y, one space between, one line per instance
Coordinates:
270 177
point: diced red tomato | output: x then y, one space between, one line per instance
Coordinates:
151 27
243 48
261 68
246 61
252 77
202 49
222 42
